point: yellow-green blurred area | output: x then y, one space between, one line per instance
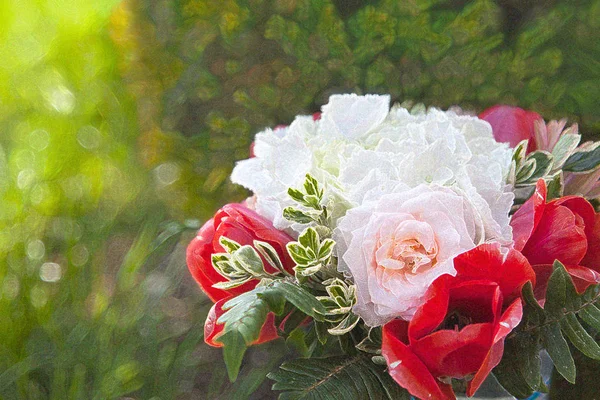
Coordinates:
120 123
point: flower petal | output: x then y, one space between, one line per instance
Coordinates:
509 320
352 117
406 368
528 216
512 124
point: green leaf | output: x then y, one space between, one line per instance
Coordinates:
335 378
309 239
345 326
226 285
556 293
234 348
229 245
302 299
311 186
269 253
558 350
591 315
298 253
249 260
543 164
294 215
564 148
579 337
583 161
297 195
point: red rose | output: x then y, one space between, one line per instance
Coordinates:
512 124
242 225
459 330
565 229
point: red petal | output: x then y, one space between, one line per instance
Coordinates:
509 321
583 277
592 258
433 311
455 354
406 368
487 262
580 207
199 263
557 237
528 216
511 124
212 329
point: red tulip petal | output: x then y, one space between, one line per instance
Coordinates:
583 277
509 321
212 329
433 311
557 237
455 354
198 258
487 262
512 124
580 207
406 368
528 216
592 257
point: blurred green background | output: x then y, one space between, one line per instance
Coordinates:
120 123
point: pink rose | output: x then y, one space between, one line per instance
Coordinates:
395 247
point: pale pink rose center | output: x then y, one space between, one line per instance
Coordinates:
411 248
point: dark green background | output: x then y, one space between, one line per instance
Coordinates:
118 117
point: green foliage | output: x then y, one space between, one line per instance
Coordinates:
566 318
115 117
246 314
335 378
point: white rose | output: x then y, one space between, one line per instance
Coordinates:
395 247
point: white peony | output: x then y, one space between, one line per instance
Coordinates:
361 150
396 246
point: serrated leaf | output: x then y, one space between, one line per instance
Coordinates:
579 337
335 378
558 350
275 300
583 161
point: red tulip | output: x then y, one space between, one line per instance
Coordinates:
459 330
242 225
565 229
512 124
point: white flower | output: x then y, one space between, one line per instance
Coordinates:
361 150
395 247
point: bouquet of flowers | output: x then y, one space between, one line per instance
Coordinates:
408 251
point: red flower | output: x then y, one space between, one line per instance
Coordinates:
512 124
459 330
565 229
242 225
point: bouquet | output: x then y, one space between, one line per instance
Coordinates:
408 251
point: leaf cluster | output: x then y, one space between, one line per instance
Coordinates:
567 320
